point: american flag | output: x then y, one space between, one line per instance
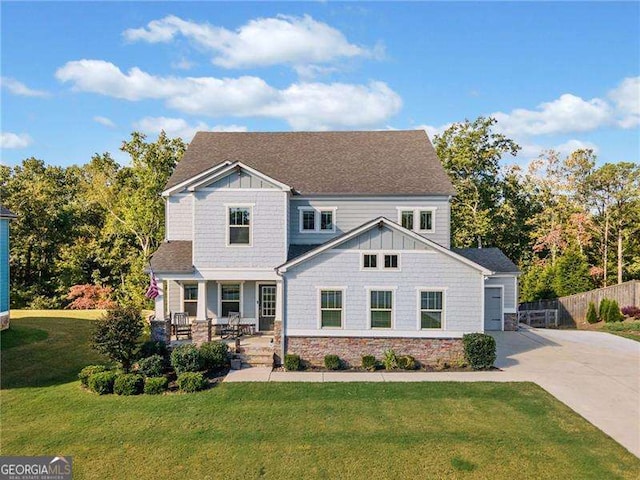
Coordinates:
152 291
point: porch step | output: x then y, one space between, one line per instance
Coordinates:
255 351
254 360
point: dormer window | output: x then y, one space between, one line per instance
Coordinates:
417 219
317 220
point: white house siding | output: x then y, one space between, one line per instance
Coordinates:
174 296
242 180
353 212
179 217
268 223
341 268
509 284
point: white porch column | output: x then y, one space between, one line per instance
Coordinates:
159 301
279 301
202 300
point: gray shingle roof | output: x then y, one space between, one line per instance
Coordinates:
6 213
173 257
490 258
378 162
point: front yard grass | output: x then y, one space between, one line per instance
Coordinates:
281 431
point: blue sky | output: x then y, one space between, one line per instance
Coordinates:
77 78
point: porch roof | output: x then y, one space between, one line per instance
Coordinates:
173 257
491 258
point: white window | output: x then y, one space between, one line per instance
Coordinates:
431 307
391 261
370 261
418 219
239 225
190 299
381 308
331 308
318 220
230 298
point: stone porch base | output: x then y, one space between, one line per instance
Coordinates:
4 321
510 322
427 351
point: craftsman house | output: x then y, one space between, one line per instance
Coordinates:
332 242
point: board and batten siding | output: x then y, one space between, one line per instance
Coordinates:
4 265
509 284
179 217
341 268
268 223
353 212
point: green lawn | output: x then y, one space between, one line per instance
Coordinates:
279 431
628 329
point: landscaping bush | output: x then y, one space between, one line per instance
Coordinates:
128 384
191 382
369 362
102 382
631 311
292 362
214 354
86 372
479 350
390 360
592 315
407 362
186 358
613 313
332 362
155 385
152 347
117 335
602 309
152 366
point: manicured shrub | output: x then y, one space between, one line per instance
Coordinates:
117 335
631 311
292 362
152 347
390 360
407 362
86 372
369 362
152 366
191 382
155 385
214 354
128 384
613 313
332 362
603 308
592 315
102 382
186 358
479 350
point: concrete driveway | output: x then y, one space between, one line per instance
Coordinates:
596 374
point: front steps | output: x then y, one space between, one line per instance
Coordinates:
254 351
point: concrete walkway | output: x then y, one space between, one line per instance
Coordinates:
596 374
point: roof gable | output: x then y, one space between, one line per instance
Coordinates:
355 163
383 238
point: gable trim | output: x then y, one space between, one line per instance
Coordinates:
184 184
228 169
380 221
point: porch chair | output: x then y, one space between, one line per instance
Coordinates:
232 328
181 325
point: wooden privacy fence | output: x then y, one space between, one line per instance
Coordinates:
539 318
573 309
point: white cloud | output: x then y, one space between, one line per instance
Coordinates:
107 122
626 97
178 127
19 88
312 106
533 150
11 140
182 64
432 131
261 42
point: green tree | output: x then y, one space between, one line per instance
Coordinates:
571 274
117 335
592 315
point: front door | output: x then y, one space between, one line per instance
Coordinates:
267 307
492 308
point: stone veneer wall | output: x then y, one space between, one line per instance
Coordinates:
427 351
277 342
4 321
201 331
510 322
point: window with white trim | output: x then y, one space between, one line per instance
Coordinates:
239 225
417 219
391 261
370 261
426 220
190 299
431 309
229 298
406 219
380 308
331 309
318 220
